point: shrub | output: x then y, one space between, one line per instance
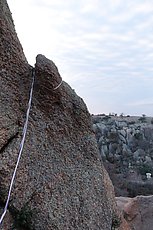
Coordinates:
116 222
138 136
143 119
139 188
113 136
23 218
106 118
131 122
145 168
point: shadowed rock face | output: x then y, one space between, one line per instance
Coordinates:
60 183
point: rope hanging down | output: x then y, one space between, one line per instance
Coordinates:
21 145
20 148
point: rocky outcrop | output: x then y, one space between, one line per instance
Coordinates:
137 211
61 182
126 146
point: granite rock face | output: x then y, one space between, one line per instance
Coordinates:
61 182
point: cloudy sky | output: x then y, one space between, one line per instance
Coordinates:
102 48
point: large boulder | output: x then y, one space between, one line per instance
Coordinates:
61 182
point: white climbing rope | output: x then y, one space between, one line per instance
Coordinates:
21 145
58 85
20 148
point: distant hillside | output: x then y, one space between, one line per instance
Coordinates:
126 147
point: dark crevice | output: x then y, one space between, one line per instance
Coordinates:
9 141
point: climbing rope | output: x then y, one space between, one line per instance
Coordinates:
58 85
21 145
20 148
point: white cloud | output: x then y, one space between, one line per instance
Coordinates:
144 8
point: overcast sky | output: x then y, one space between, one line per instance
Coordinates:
102 48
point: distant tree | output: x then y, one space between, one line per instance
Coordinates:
110 114
143 119
122 115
